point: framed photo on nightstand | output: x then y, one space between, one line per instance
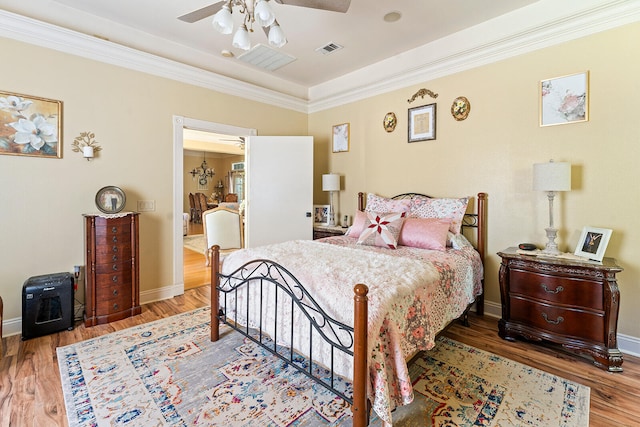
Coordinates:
593 242
321 214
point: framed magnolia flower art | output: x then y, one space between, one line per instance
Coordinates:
30 125
564 99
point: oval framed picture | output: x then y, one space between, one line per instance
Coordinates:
110 199
460 108
389 122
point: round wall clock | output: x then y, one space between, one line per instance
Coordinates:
110 199
390 121
460 108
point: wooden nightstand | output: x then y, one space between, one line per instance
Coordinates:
568 302
320 231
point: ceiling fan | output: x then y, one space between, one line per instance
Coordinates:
331 5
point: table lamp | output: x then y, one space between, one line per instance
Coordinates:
331 183
551 177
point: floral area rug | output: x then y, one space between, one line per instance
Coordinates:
168 373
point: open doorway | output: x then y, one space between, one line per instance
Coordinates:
198 137
213 177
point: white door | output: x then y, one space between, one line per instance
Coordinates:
279 179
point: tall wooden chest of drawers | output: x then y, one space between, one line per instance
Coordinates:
112 290
568 302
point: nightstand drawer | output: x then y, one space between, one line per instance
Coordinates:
564 321
557 289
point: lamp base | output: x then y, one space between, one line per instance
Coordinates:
551 247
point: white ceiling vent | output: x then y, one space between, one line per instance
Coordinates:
329 48
266 58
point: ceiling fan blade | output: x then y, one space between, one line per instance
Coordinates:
203 13
331 5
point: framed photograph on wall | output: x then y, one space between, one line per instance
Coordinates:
30 125
340 138
564 99
321 214
422 123
593 242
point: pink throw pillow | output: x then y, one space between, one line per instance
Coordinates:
382 229
453 209
358 225
425 233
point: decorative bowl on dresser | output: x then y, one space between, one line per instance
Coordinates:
565 301
112 290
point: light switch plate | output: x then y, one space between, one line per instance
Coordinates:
146 205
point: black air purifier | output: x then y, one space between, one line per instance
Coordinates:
47 304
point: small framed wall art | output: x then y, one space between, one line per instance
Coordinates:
340 138
30 125
564 99
593 242
422 123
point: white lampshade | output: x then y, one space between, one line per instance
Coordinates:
331 182
552 176
222 20
263 13
241 38
276 35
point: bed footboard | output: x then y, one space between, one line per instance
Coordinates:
350 340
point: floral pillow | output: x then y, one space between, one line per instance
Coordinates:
376 203
425 233
382 229
453 209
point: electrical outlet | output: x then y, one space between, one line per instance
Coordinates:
146 205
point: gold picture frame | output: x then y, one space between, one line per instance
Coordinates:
340 138
422 123
30 125
564 99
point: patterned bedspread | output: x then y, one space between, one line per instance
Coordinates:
413 294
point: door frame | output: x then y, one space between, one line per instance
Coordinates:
179 124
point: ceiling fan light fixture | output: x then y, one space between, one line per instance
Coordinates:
263 14
222 20
276 36
241 38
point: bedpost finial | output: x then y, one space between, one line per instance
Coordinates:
361 290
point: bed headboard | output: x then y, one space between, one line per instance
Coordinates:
474 220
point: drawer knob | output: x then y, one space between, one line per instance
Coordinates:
115 257
115 239
559 320
114 229
114 249
549 291
115 267
115 292
115 306
114 279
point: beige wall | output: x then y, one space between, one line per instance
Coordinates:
42 200
494 149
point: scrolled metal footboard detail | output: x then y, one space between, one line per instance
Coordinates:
266 280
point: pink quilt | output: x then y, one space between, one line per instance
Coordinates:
413 294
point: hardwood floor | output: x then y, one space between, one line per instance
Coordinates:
30 390
195 272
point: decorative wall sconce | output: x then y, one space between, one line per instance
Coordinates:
86 144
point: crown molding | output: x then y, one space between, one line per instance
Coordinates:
42 34
539 25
